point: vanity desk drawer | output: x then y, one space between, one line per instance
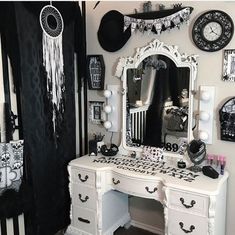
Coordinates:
181 223
83 196
137 187
189 202
84 219
83 177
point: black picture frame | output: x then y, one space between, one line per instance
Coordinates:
95 72
95 111
227 117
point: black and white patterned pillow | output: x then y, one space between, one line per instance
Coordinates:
11 165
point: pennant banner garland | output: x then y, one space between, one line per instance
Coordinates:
159 24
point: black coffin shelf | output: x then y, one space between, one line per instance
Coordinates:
95 72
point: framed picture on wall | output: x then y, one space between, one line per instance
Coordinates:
95 111
229 65
95 72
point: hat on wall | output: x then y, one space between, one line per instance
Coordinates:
111 34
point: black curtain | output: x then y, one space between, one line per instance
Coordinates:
46 176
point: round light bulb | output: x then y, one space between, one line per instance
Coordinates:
107 93
205 95
107 108
204 116
107 124
203 135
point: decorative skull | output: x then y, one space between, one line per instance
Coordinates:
5 158
17 165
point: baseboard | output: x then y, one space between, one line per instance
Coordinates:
147 227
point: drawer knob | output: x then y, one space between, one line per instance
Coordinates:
83 200
187 206
151 191
84 220
116 181
192 227
81 179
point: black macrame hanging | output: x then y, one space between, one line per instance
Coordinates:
52 25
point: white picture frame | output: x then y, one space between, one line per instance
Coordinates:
229 65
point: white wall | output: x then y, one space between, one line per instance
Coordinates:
209 73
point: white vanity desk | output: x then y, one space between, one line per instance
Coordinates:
99 187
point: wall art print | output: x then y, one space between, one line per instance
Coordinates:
95 111
229 65
95 72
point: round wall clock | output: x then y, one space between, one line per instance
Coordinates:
212 30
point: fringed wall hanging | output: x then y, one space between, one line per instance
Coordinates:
52 25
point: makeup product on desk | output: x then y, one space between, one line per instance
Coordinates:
181 164
210 172
209 159
222 164
92 147
217 161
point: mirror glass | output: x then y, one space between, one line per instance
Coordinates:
157 98
157 103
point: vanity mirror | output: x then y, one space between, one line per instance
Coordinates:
158 84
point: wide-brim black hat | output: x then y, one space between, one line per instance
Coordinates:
111 34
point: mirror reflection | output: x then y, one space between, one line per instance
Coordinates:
157 103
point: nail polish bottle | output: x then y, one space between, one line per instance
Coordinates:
222 164
209 159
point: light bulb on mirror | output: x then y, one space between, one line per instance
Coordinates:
108 108
107 124
203 135
204 116
205 95
107 93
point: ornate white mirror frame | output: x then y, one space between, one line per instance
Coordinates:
181 60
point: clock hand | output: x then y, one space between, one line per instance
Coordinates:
212 31
215 33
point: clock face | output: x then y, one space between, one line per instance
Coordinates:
212 30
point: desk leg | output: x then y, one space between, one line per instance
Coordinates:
127 225
99 212
165 205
